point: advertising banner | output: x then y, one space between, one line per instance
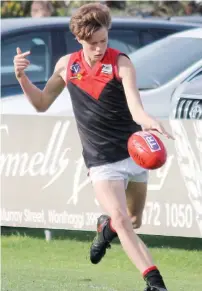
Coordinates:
44 182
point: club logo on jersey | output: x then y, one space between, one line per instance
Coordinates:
107 68
75 68
78 76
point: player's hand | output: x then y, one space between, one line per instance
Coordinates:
20 63
157 126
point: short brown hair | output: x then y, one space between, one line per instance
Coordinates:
88 19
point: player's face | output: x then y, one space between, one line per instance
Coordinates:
95 48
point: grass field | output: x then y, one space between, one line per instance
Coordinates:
29 263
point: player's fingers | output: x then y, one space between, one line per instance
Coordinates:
170 136
21 62
26 54
160 129
21 68
154 131
157 128
20 54
167 134
18 50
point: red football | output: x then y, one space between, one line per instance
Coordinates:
147 150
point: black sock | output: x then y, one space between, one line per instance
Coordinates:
108 232
153 278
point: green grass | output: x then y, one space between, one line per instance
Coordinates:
32 264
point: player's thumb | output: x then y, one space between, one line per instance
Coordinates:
18 50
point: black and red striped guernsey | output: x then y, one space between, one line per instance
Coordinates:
103 118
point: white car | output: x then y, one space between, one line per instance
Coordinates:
161 67
187 99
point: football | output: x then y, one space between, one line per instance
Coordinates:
147 150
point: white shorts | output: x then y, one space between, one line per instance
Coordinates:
126 170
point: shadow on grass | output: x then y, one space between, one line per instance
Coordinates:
151 240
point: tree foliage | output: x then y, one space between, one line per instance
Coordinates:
62 8
22 8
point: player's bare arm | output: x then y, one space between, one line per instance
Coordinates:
128 75
40 99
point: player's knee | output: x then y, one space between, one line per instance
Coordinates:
120 220
136 221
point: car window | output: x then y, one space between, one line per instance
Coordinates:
150 35
72 44
146 37
159 62
126 41
195 77
39 45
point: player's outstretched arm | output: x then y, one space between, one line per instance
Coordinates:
40 99
128 75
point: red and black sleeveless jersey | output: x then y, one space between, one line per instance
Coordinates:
103 118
